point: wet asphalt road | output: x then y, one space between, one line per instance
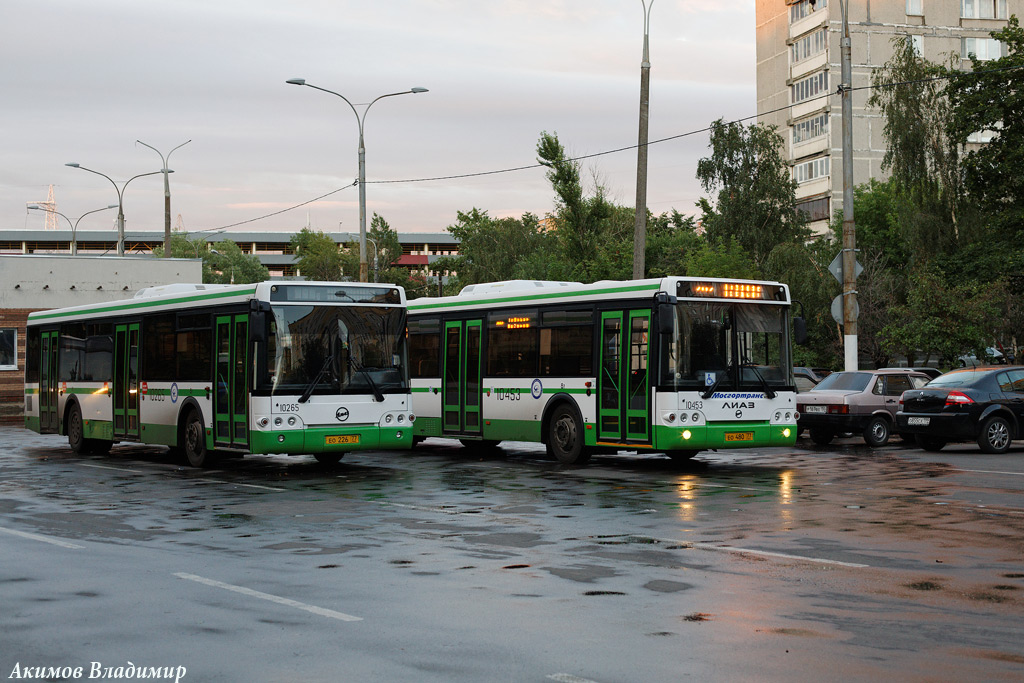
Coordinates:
442 564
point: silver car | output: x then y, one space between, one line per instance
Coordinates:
862 402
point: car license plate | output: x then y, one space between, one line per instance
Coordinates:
815 409
739 436
336 440
918 421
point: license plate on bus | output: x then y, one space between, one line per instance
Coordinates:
918 421
815 409
739 436
337 440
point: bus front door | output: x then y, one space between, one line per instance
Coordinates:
126 381
48 383
624 411
231 407
461 385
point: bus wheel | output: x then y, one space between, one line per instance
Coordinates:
822 436
76 431
565 437
195 440
328 458
681 456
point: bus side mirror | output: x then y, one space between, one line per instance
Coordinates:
666 319
800 331
258 319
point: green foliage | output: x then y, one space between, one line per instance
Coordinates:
755 202
318 256
992 98
223 262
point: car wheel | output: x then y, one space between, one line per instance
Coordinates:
995 435
565 437
930 443
195 440
822 437
76 431
876 433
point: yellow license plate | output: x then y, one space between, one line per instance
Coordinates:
336 440
739 436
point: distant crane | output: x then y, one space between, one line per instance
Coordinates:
179 225
50 207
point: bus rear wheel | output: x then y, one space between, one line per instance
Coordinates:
565 437
195 451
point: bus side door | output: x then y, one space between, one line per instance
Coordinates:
624 412
125 386
231 402
48 383
461 385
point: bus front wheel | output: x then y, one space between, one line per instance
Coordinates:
681 456
195 449
76 431
328 458
565 437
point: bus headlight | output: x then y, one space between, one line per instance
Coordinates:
291 421
263 421
387 418
412 418
671 417
277 422
400 418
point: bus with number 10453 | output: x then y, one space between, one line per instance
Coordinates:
676 365
275 367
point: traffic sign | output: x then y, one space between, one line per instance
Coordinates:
836 268
837 309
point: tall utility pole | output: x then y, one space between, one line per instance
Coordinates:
849 230
640 227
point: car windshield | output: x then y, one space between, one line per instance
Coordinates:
336 349
844 381
726 345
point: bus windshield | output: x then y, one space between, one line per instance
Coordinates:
336 350
729 346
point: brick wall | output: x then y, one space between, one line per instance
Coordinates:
12 382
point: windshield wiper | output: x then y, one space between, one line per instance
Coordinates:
316 380
764 383
377 395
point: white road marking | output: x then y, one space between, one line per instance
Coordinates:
769 553
321 611
569 678
1017 474
44 539
235 483
105 467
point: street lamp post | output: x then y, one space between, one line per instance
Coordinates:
360 120
74 226
640 226
167 194
120 200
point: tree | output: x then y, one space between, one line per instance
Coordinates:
581 222
225 264
755 201
317 255
991 98
920 154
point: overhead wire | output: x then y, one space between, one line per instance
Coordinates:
513 169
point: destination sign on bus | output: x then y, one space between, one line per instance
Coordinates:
520 320
731 290
335 294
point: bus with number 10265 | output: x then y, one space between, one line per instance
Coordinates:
275 367
675 365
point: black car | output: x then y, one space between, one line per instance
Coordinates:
983 404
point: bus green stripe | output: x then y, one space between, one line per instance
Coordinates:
535 297
142 303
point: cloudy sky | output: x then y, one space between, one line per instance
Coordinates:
82 81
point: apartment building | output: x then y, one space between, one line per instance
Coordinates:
798 73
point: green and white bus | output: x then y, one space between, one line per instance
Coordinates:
674 365
275 367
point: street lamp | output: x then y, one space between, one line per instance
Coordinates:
74 226
362 161
167 194
120 200
640 226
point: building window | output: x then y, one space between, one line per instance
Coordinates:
983 49
812 44
811 170
809 129
814 209
810 87
8 348
915 7
799 10
982 9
